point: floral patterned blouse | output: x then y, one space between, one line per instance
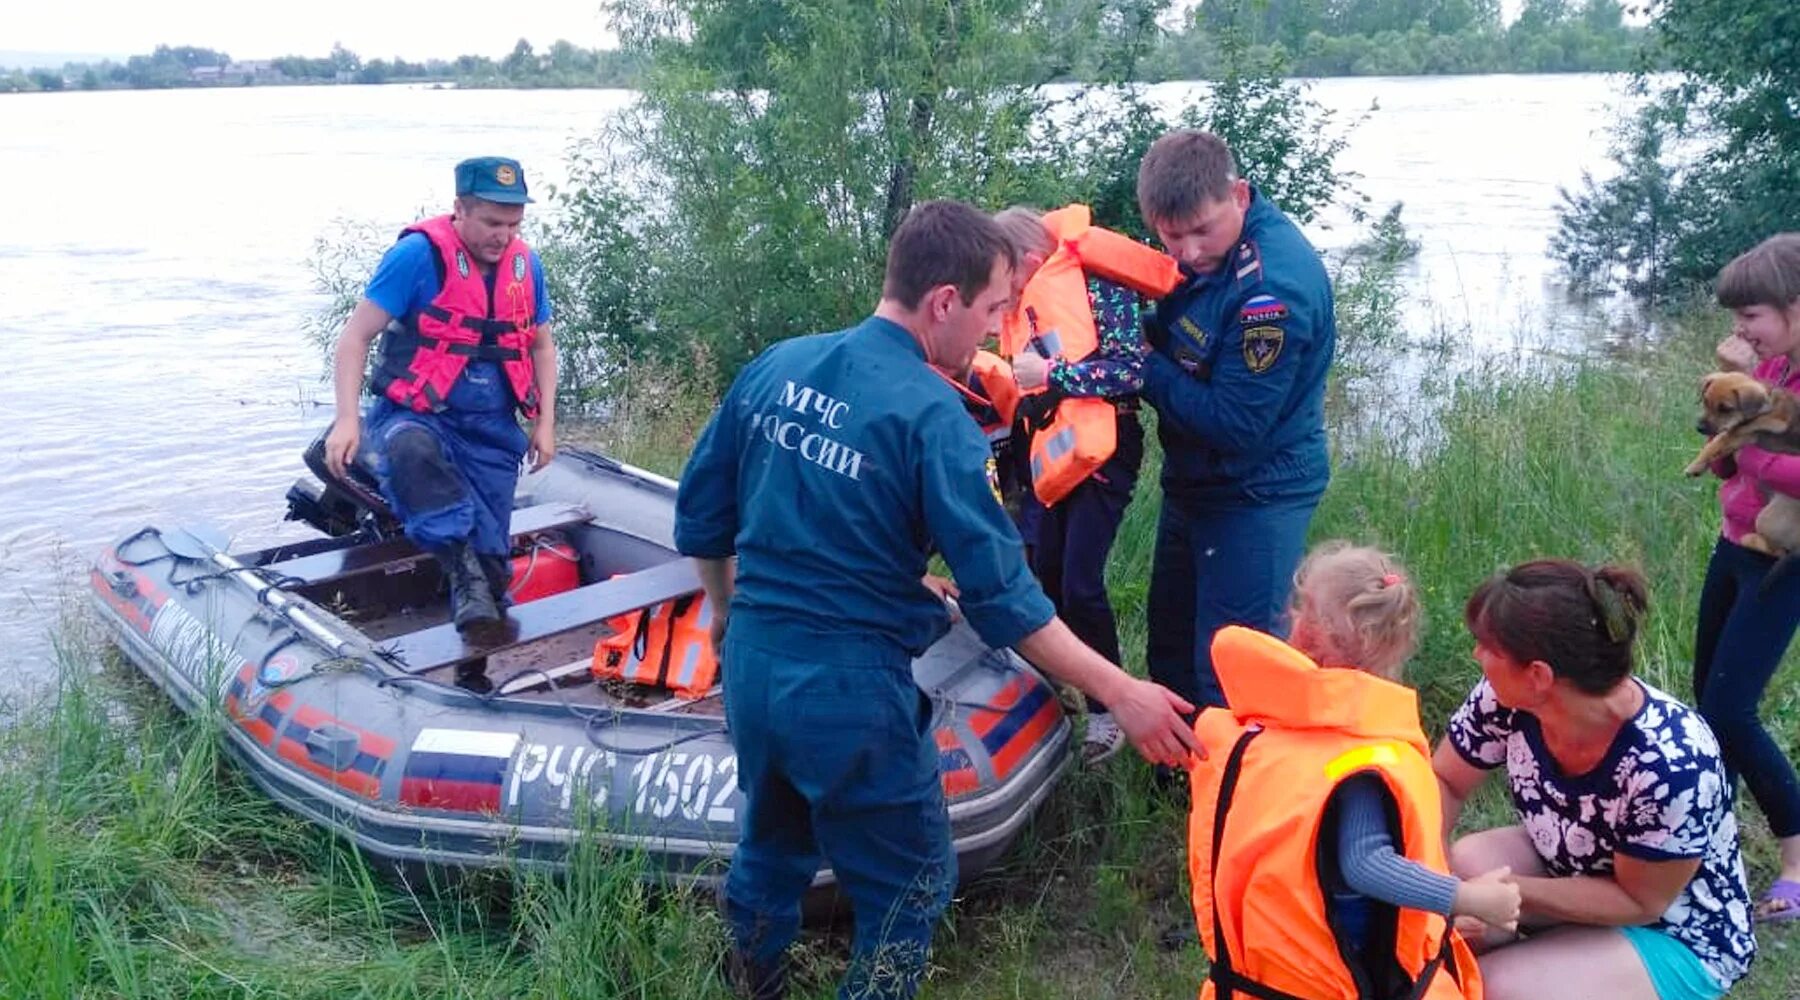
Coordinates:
1660 794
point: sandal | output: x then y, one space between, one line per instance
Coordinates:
1781 903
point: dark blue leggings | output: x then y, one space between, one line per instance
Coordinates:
1741 638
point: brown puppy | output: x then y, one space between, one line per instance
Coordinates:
1740 410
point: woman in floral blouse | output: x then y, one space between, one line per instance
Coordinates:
1626 852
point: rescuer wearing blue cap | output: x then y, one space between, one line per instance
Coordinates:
464 319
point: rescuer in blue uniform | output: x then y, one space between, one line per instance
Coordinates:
1236 374
833 465
464 319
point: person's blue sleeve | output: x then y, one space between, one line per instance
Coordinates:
406 278
1367 858
706 503
1252 377
999 596
544 311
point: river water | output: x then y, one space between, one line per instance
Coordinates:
155 248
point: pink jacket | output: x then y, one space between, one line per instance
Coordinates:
1741 495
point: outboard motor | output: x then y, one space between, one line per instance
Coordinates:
344 505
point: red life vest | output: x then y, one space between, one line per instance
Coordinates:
419 362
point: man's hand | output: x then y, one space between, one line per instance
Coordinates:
716 632
543 444
342 442
1151 716
1030 371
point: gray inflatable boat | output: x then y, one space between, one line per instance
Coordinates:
329 664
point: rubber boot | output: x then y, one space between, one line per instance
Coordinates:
472 604
472 676
498 571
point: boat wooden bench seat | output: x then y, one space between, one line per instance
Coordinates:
399 553
443 646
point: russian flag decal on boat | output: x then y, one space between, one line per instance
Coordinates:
457 769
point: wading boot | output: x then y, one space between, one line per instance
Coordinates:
498 571
472 676
472 604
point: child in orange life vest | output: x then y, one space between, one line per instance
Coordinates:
1380 851
1067 544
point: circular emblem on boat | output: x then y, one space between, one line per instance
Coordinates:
279 668
506 175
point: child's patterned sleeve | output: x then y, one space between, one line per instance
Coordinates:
1116 368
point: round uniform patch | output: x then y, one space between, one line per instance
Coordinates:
506 175
1262 345
993 478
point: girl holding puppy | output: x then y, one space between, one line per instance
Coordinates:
1745 627
1315 837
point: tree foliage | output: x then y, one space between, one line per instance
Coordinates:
749 195
1709 164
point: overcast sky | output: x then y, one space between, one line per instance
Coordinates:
248 29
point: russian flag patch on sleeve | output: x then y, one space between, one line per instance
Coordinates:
1262 309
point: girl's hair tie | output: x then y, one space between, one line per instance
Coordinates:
1391 580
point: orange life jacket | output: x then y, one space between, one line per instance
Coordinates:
1256 851
668 646
1055 318
420 361
990 395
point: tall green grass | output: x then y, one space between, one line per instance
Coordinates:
137 862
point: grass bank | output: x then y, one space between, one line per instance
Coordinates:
136 862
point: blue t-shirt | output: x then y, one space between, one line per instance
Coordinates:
832 466
406 281
1660 794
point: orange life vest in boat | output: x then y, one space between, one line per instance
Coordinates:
1055 317
990 395
1258 855
668 645
420 361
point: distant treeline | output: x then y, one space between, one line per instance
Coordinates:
1406 38
563 64
1304 37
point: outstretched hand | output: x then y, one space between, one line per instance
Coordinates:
1151 716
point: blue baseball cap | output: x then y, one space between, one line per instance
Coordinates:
492 178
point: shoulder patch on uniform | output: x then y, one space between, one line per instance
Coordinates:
1262 345
1262 309
1193 331
1249 260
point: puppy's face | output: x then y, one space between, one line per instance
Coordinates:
1729 399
